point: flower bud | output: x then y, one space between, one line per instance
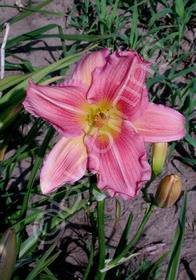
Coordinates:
8 251
159 152
168 191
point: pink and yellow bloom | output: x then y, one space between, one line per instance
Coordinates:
104 116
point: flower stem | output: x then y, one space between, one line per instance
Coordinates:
145 189
89 262
101 237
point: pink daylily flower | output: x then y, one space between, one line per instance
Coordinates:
105 118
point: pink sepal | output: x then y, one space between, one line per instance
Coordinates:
120 163
121 83
60 106
160 124
66 163
88 63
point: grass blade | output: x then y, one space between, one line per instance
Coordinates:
158 16
120 257
23 15
37 164
41 263
32 35
31 242
156 264
112 16
124 238
134 30
10 81
122 244
177 244
37 34
33 10
18 93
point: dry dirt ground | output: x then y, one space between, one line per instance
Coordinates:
161 227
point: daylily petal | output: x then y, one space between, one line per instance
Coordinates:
120 162
88 63
61 106
160 124
121 82
66 163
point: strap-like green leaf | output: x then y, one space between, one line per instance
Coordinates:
177 243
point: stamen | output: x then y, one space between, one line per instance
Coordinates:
100 118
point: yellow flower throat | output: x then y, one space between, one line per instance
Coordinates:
102 119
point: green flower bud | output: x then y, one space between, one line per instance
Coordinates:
159 152
168 191
8 251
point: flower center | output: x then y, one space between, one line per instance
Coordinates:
101 118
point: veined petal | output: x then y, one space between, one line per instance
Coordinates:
160 124
120 162
88 63
61 106
121 83
66 163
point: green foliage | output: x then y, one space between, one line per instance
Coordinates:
26 14
177 243
157 30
